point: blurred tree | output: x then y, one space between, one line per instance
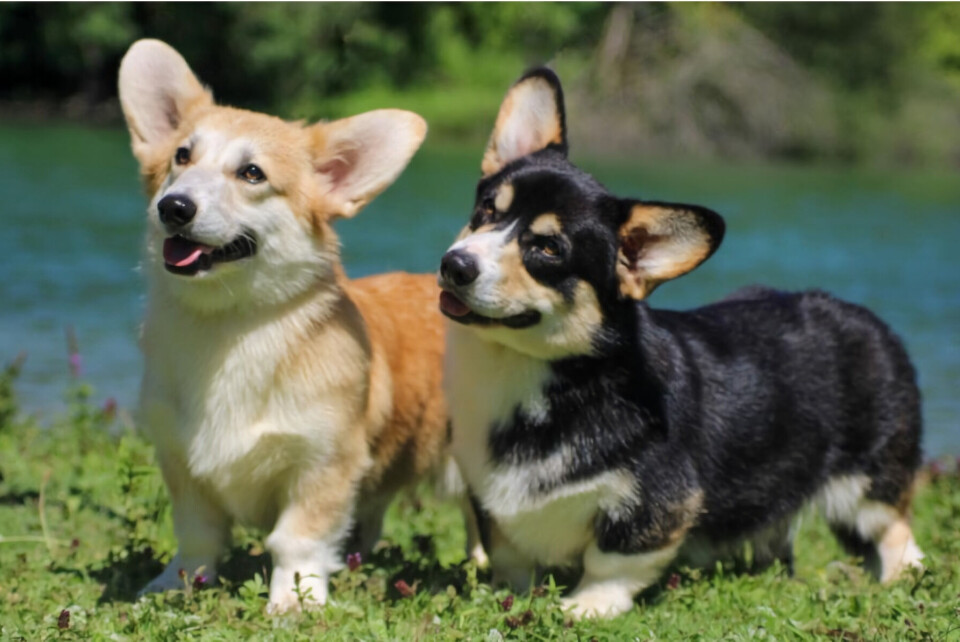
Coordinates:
788 79
941 42
857 45
89 35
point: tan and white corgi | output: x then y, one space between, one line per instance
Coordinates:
278 394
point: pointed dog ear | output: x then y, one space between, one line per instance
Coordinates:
157 93
661 241
356 158
531 118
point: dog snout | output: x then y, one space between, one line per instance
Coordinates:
176 209
459 267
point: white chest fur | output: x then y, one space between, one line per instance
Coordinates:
548 521
213 400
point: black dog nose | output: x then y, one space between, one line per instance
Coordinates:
460 267
176 209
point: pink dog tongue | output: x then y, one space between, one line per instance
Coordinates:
450 304
179 251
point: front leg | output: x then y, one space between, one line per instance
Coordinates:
201 528
306 543
611 580
635 541
508 564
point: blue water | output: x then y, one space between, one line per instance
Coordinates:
72 220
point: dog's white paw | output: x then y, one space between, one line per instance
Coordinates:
479 555
597 601
311 593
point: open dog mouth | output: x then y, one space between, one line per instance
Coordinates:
457 310
187 257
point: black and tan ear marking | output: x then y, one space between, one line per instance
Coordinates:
661 241
531 118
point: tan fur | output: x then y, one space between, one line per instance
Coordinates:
687 511
668 243
517 283
897 550
504 197
528 120
411 341
546 225
277 392
575 331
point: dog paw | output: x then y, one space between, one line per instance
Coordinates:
479 556
311 593
291 604
597 603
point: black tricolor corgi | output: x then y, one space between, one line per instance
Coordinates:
597 432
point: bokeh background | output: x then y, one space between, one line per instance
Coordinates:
828 135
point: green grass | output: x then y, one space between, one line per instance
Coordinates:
85 521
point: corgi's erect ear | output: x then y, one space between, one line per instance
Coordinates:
356 158
661 241
157 92
531 118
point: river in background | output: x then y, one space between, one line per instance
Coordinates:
72 219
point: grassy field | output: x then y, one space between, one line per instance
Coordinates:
84 522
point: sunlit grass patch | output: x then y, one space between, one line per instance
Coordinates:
85 522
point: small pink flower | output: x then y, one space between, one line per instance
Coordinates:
507 603
673 582
354 560
76 364
405 589
199 581
63 622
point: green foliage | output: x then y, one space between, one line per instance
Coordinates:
85 522
940 46
857 45
837 81
8 401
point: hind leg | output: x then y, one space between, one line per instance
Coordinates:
774 544
897 550
876 530
368 525
471 522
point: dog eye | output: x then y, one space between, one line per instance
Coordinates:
252 174
488 207
182 157
547 245
483 214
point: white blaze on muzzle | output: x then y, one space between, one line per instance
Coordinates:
483 294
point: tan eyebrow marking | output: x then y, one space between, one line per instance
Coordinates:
504 197
546 225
